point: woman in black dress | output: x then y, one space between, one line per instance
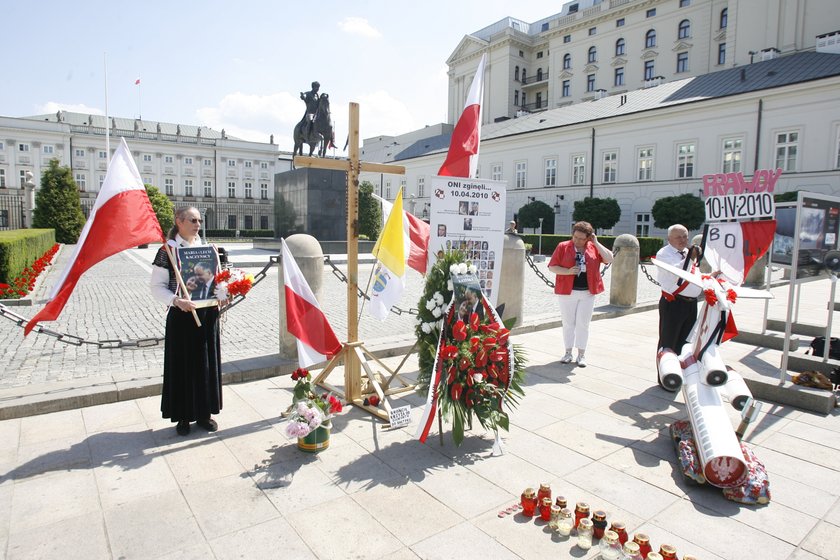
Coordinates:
192 365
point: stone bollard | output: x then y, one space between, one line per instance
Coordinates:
757 276
310 259
624 276
512 278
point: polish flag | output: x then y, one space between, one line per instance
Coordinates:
122 217
316 340
462 159
137 82
733 247
415 235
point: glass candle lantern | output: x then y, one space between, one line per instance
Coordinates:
544 492
584 534
555 517
561 502
668 552
545 508
653 556
529 502
644 544
565 523
621 530
581 512
632 551
609 546
599 523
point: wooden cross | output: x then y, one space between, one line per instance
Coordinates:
353 352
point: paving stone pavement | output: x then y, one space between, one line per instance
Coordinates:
115 481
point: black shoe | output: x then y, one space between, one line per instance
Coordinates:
208 424
183 428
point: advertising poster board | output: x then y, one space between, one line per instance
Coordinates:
469 214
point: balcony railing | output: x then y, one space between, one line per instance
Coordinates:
540 105
535 78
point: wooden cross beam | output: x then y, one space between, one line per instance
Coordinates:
351 351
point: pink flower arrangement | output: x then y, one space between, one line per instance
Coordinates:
309 411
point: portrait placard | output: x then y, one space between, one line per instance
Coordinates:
198 267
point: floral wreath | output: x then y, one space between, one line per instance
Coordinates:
479 370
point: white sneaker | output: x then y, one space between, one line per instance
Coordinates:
567 359
581 360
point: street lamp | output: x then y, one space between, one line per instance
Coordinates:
539 250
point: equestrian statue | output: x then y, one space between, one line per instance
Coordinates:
316 126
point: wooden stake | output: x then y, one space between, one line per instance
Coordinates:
178 277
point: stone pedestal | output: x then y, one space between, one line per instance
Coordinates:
624 276
312 201
310 260
512 281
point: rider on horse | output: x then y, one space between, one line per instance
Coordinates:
311 98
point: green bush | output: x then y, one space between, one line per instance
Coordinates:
19 248
648 246
57 204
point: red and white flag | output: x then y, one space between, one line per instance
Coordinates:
733 247
122 217
416 233
462 158
137 82
316 340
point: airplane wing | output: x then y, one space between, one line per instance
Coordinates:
751 293
693 278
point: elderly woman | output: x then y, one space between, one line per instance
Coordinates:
192 366
577 264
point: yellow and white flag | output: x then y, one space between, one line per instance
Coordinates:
389 274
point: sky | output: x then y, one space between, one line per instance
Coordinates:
242 65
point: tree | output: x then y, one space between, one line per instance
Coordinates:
163 207
602 213
370 212
57 204
530 214
685 209
790 196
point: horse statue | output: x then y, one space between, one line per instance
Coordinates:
321 130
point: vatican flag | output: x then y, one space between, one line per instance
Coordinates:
388 276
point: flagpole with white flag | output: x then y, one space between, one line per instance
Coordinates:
462 157
107 128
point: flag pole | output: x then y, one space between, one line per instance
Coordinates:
107 127
370 277
139 97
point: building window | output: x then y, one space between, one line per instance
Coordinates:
388 190
685 3
231 221
593 31
208 163
2 178
263 165
650 13
48 149
619 47
724 17
567 61
208 189
685 161
516 73
231 189
684 29
521 174
578 169
169 186
147 158
249 190
566 88
421 187
523 78
645 164
551 172
22 177
567 38
249 222
786 150
722 53
619 77
619 22
642 224
23 147
2 146
610 166
496 172
168 159
81 181
80 153
4 218
538 103
263 222
231 163
682 62
593 55
188 161
544 27
103 154
732 151
540 54
516 97
264 191
590 82
188 187
248 164
648 70
650 39
523 100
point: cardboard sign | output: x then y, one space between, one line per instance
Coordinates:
744 206
400 416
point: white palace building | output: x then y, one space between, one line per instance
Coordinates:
637 100
230 181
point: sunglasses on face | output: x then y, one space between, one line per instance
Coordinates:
193 220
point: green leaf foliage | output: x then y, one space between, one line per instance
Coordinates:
685 209
370 212
57 204
530 214
602 213
790 196
163 207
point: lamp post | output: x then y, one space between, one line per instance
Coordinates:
539 250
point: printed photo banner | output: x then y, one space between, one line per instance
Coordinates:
198 266
469 215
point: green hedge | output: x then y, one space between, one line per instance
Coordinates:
231 233
648 246
20 248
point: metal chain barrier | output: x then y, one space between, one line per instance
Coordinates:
548 282
649 277
343 277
